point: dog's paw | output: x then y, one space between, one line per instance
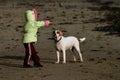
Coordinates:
57 62
75 60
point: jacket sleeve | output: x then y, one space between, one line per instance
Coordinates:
40 24
43 23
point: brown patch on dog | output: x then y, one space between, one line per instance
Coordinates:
60 33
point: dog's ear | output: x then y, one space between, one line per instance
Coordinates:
60 33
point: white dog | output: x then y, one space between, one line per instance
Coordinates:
64 43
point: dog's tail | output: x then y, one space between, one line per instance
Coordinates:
82 39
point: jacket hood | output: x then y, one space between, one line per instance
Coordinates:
31 15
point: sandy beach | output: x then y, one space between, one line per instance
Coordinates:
80 18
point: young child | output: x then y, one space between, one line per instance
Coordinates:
30 37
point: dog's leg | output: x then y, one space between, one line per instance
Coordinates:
78 50
81 59
74 58
64 57
58 57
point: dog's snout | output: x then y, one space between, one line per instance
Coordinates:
53 32
54 35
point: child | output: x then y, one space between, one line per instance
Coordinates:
30 37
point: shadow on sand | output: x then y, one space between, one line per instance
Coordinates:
7 61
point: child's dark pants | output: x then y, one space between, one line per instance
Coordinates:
30 53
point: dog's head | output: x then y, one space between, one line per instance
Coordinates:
57 34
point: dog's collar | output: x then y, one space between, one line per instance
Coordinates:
59 39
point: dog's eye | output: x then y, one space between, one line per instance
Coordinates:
57 32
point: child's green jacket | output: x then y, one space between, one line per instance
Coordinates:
31 27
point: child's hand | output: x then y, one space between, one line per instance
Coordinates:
47 23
